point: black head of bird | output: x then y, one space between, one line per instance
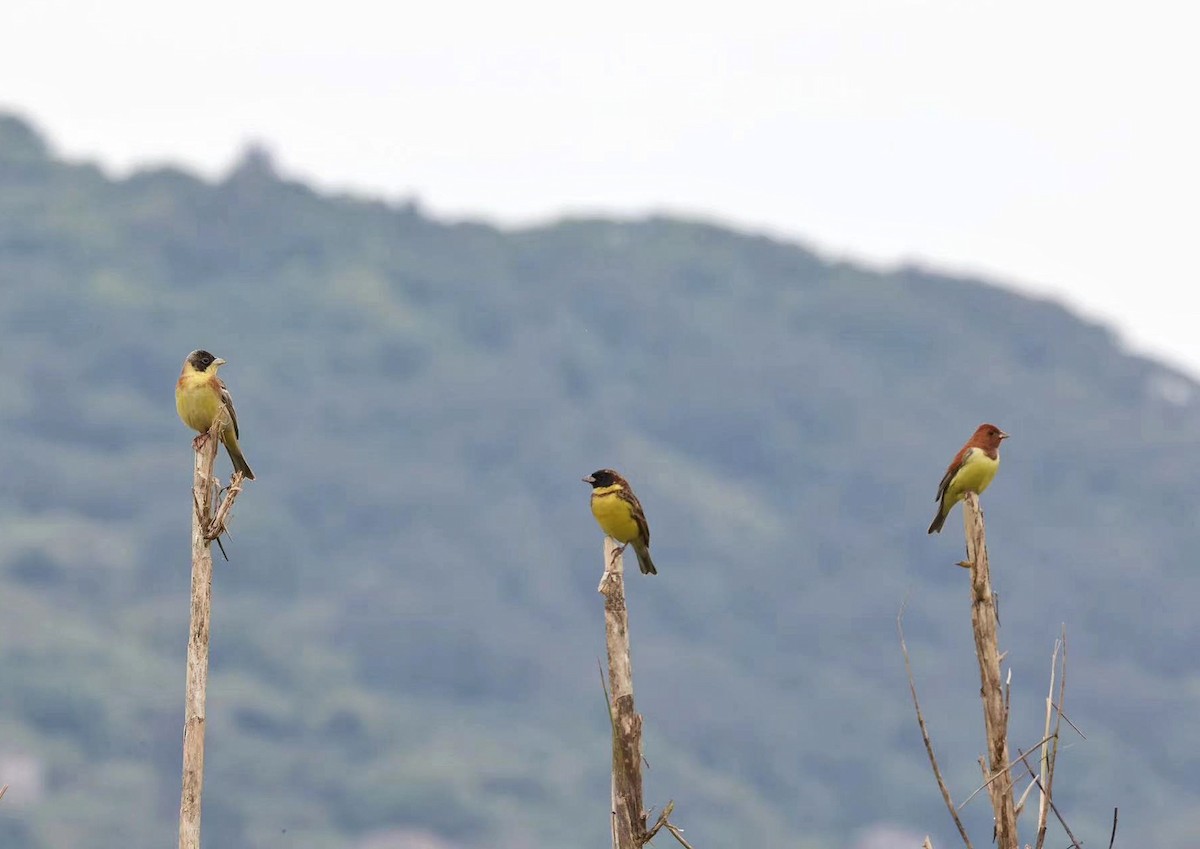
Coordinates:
202 360
603 478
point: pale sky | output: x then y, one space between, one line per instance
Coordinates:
1052 146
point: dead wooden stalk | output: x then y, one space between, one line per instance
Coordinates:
628 814
937 772
984 624
207 523
997 768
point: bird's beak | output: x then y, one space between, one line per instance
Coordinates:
218 362
588 479
1003 435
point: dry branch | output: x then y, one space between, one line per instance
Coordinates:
988 781
629 816
995 692
208 522
663 821
218 524
1048 751
937 773
1067 720
1075 843
677 833
992 687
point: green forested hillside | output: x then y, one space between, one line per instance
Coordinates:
406 638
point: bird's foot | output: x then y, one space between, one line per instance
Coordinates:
617 552
200 441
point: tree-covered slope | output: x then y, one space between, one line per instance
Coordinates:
405 639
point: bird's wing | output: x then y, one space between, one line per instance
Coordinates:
227 400
639 515
957 463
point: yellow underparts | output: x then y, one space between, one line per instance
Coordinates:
196 401
974 476
614 514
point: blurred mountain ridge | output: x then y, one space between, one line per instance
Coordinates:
405 640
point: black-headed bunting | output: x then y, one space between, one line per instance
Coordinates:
619 514
199 394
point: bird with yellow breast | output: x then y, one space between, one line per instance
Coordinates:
199 394
971 470
619 514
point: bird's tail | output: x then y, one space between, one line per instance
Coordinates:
644 561
235 454
938 521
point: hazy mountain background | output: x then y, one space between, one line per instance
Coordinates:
406 638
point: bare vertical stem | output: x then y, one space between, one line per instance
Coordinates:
629 817
612 820
203 497
987 650
1045 766
937 772
1052 759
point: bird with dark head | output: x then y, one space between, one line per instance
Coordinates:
199 394
619 514
971 470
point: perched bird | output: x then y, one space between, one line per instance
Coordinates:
199 395
971 470
619 514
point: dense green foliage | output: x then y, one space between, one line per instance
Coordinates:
407 635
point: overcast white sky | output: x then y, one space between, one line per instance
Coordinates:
1051 145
